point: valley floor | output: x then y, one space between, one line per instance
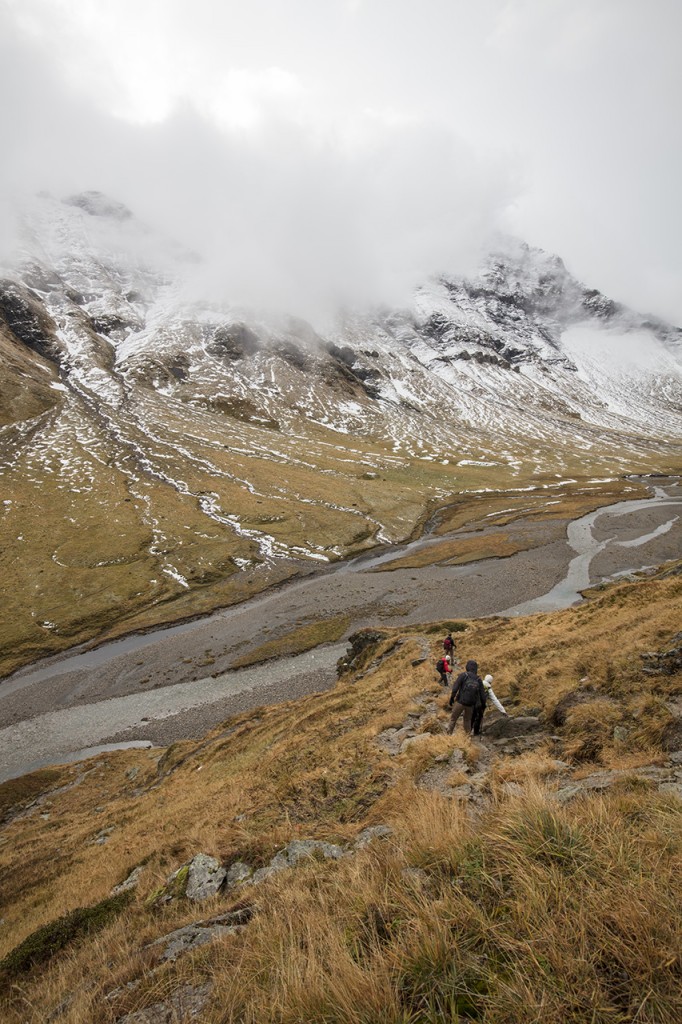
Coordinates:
178 683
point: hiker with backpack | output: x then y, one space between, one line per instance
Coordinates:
479 710
467 694
449 644
443 667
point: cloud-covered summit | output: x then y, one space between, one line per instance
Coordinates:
323 154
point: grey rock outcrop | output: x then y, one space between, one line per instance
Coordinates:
665 780
411 741
368 835
302 849
205 877
185 1003
191 936
508 727
238 872
298 850
666 662
129 883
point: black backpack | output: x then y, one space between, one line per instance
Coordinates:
468 691
440 665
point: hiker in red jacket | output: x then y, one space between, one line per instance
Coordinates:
443 667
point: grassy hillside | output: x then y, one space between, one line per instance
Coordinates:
91 552
534 878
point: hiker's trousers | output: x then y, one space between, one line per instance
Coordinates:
477 720
456 712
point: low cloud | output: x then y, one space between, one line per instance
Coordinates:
286 212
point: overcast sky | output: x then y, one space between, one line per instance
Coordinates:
335 150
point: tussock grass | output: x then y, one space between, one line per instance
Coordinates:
532 766
527 909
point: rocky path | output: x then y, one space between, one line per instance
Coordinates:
470 779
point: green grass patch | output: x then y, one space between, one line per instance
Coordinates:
44 943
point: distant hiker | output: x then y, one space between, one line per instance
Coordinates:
479 710
467 694
448 644
443 667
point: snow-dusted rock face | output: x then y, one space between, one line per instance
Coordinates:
119 297
154 443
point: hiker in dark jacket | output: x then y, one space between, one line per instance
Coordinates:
467 694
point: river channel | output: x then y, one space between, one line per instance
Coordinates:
156 687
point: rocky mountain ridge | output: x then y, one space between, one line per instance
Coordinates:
107 301
155 443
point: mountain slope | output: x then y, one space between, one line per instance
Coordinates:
163 454
533 873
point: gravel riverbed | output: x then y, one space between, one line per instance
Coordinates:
177 683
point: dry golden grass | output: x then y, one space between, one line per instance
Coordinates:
304 638
527 910
455 552
572 500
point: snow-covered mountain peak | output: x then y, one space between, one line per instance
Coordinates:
127 301
164 453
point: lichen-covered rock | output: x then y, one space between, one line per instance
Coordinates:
200 878
238 872
414 740
191 936
205 877
129 883
183 1004
301 849
368 835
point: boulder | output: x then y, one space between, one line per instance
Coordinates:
507 727
301 849
238 872
412 740
129 883
205 877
